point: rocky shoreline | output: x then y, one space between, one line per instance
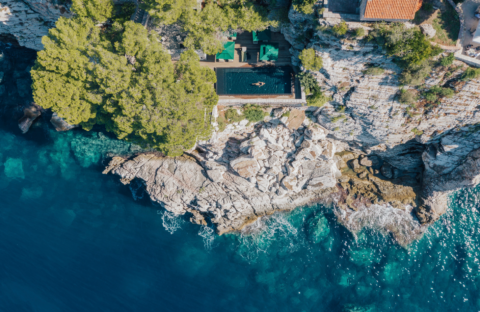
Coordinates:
247 172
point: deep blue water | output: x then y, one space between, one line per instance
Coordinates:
72 239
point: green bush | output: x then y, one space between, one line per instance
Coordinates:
99 10
427 7
308 82
417 132
304 6
337 118
447 60
407 97
286 114
232 115
409 46
254 113
359 32
373 71
416 74
317 99
202 27
123 78
340 29
310 60
436 92
471 73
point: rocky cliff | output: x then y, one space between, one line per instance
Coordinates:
29 20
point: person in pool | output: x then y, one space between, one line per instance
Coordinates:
258 84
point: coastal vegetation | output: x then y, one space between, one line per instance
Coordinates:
410 48
310 60
203 26
435 93
315 96
471 73
121 77
373 71
304 6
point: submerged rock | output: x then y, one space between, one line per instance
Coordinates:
60 124
14 168
30 113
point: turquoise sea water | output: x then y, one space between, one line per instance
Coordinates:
72 239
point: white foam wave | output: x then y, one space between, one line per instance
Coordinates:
171 222
258 236
384 219
208 235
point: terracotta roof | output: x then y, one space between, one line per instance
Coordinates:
392 9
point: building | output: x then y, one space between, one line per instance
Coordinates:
389 10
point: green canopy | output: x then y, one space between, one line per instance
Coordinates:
229 51
264 35
269 52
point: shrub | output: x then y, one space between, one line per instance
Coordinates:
232 115
436 92
407 97
98 10
427 7
416 75
471 73
447 60
417 132
337 118
373 71
304 6
359 32
286 114
253 113
340 29
317 99
310 60
308 82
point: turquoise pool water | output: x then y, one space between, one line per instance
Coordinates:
72 239
238 81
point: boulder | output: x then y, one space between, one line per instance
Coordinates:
245 166
428 30
215 175
30 113
60 124
278 112
370 161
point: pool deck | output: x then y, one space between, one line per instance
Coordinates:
253 50
245 39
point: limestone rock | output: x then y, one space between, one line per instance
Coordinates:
60 124
245 166
428 30
30 113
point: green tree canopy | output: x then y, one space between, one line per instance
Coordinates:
123 78
203 27
99 10
168 11
304 6
310 60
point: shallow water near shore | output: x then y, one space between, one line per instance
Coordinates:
72 239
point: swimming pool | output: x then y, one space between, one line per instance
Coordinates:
239 81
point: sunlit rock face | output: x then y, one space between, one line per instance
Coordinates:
29 20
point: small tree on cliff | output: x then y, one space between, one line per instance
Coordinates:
310 60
